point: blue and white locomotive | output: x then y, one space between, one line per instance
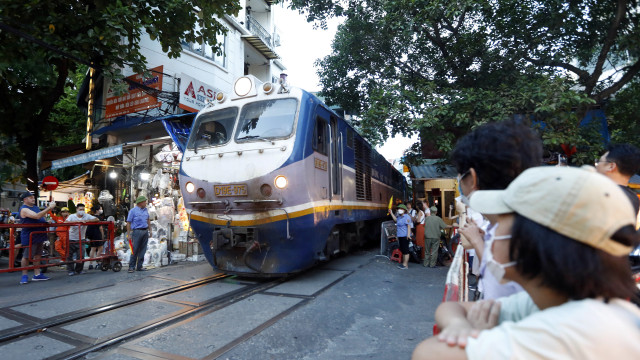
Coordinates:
274 181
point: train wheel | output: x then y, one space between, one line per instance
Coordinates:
117 266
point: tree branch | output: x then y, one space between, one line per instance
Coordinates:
633 70
582 74
606 46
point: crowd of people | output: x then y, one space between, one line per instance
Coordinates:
551 250
70 243
76 243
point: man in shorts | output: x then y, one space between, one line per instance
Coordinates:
30 213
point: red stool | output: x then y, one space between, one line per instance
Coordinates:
396 255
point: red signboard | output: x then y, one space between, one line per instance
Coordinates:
135 99
49 183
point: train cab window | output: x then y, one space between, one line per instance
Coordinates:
320 136
267 119
213 129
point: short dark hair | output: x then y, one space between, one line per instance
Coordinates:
626 157
570 267
498 152
79 205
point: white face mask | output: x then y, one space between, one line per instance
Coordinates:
495 268
80 213
400 212
99 212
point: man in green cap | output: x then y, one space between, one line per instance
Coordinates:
432 226
139 231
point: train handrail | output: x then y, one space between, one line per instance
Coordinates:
239 152
279 201
225 202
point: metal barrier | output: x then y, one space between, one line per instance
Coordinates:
109 259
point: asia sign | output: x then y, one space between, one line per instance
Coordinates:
194 93
135 99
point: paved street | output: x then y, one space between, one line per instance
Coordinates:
357 307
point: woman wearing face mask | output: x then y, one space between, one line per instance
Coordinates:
563 234
403 232
95 234
76 239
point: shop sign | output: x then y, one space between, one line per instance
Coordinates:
87 157
194 93
135 99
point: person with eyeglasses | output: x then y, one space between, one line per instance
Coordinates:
620 163
489 158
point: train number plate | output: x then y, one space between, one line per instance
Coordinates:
230 190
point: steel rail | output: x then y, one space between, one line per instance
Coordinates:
77 315
213 305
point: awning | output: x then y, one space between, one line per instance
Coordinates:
74 185
179 133
127 122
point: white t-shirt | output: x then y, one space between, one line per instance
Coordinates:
412 213
73 230
588 329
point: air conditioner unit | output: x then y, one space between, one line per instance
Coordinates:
276 39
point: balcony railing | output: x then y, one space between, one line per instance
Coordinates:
254 26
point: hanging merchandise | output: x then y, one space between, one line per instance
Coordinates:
166 212
104 196
108 205
156 179
183 217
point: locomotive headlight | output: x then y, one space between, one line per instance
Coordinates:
281 182
267 88
243 86
190 187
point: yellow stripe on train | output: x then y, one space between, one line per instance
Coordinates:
266 217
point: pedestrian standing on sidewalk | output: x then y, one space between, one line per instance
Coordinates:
412 214
95 233
30 213
403 232
76 234
139 231
433 224
420 228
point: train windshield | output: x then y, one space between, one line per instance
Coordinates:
213 129
267 120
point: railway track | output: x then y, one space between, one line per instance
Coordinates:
74 316
55 327
222 312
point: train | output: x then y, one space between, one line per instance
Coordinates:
274 181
